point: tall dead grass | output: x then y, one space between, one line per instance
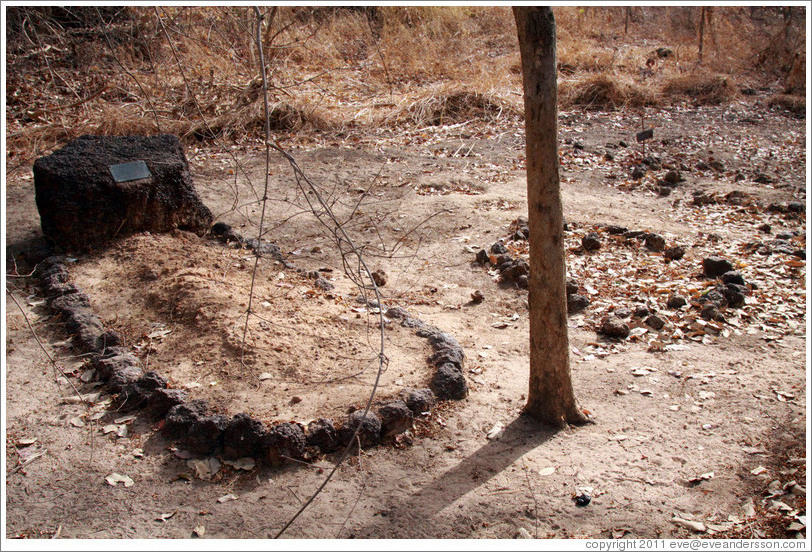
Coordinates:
190 70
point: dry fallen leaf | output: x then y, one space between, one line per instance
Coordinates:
549 470
115 478
246 464
227 498
199 531
164 517
496 431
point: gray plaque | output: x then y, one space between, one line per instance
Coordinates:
124 172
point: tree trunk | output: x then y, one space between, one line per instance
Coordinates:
551 399
701 31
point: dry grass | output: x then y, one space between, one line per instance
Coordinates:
702 88
333 68
794 104
447 104
604 91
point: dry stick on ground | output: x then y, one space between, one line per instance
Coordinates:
337 229
56 367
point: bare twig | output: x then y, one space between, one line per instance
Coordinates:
347 247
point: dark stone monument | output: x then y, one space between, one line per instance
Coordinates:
97 188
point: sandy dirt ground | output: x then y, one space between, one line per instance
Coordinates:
694 423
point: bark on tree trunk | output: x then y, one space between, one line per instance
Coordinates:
551 399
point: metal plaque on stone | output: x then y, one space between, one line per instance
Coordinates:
125 172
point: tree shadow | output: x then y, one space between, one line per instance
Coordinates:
519 437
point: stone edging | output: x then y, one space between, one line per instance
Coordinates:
189 422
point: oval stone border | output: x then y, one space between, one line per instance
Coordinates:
188 421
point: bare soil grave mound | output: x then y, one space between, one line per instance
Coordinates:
180 304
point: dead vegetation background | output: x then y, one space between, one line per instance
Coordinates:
192 71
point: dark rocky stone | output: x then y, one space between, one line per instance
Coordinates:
420 401
676 302
397 313
631 234
623 144
136 394
734 296
265 249
131 397
710 312
395 417
370 429
612 326
714 297
674 253
701 198
762 178
652 162
777 208
422 329
284 441
655 242
796 207
641 311
638 172
220 229
82 206
482 257
673 178
323 284
663 191
499 248
161 401
446 350
117 360
181 417
243 436
322 433
623 312
655 322
576 303
715 266
614 229
54 277
515 272
733 277
122 377
83 324
800 253
204 435
379 277
152 381
66 305
445 355
572 286
591 241
449 382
